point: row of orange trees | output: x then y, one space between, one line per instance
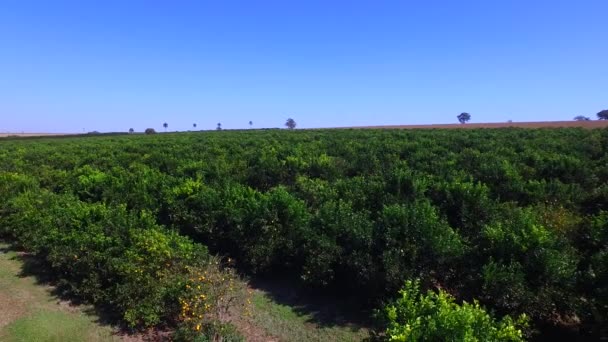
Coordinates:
515 218
140 273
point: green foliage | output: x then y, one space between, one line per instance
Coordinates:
208 297
210 332
105 254
435 316
513 217
596 272
531 269
416 242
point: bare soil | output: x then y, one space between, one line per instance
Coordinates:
2 135
532 124
538 124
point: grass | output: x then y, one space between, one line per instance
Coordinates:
49 325
287 323
29 312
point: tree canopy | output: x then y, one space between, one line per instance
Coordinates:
290 123
464 117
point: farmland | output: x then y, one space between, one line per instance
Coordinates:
507 225
538 124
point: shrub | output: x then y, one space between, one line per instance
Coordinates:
110 256
530 268
224 332
435 316
415 242
150 131
208 297
337 247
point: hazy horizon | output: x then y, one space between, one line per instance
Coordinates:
71 66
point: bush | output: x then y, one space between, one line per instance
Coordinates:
435 316
415 242
110 256
224 332
208 297
530 268
150 131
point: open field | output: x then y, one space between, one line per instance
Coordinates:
34 134
540 124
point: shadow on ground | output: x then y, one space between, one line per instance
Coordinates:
31 266
324 310
317 310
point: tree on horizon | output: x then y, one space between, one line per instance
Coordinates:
250 124
165 125
219 126
581 118
291 123
131 130
464 117
603 115
194 125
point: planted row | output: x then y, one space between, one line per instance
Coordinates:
515 218
119 260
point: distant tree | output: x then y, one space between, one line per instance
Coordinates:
581 118
194 125
131 130
219 126
291 123
250 124
165 125
464 117
150 131
603 115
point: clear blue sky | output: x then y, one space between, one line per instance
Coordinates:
108 65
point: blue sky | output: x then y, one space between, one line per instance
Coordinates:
108 65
